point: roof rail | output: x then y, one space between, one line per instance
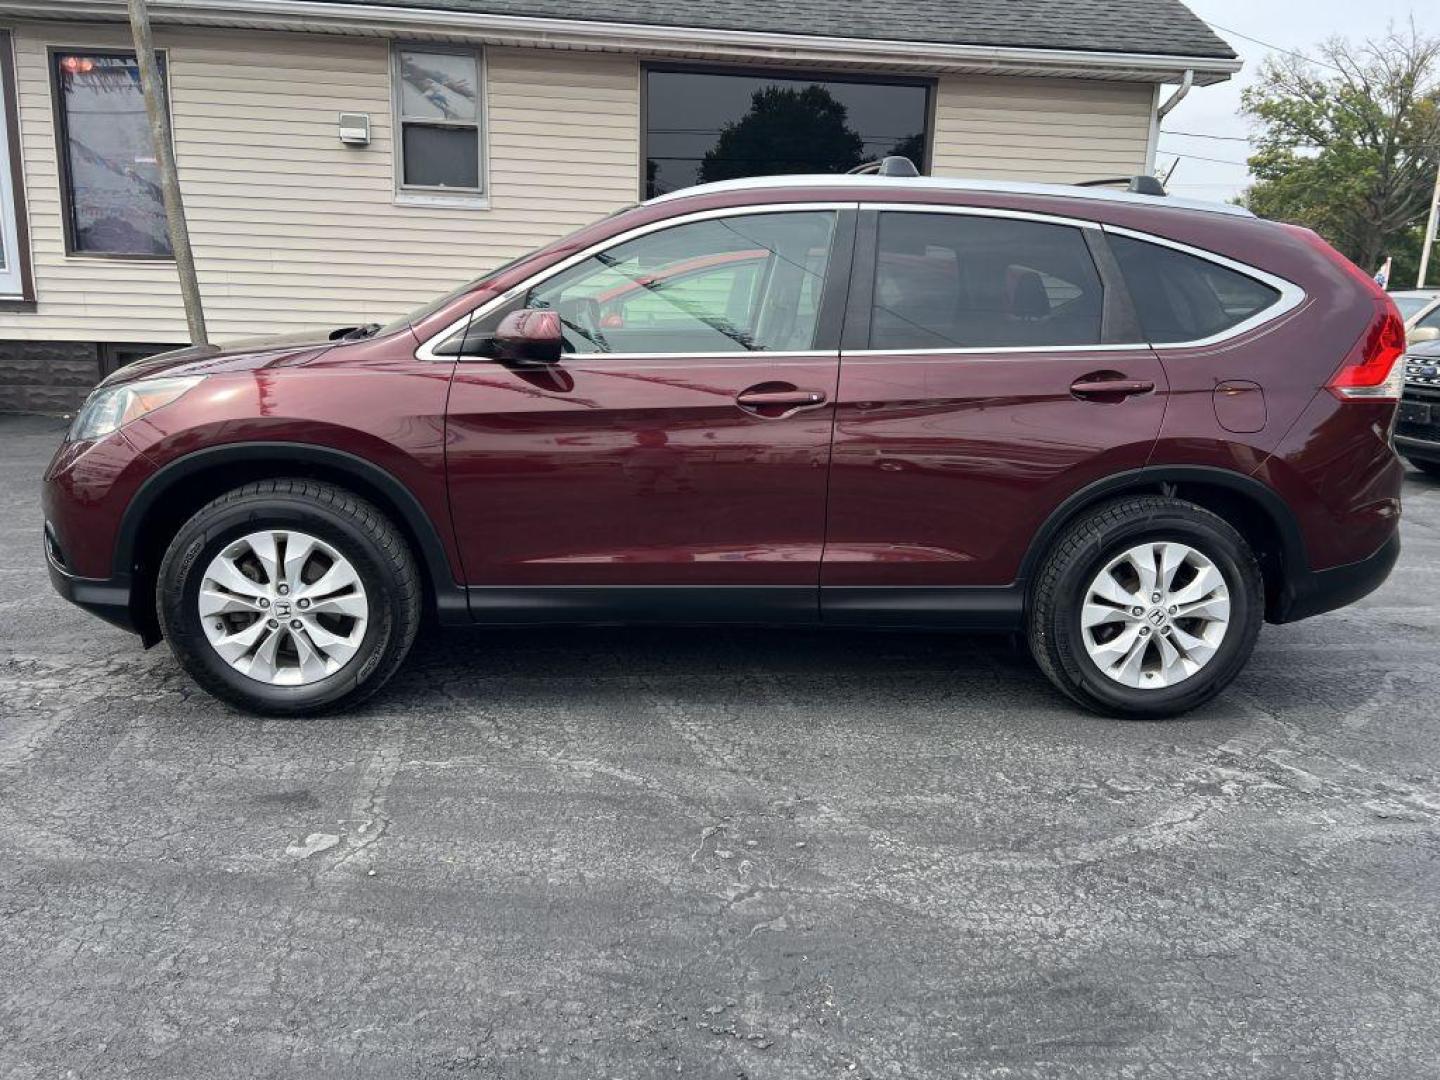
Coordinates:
1144 184
895 165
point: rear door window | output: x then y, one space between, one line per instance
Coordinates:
1181 297
968 282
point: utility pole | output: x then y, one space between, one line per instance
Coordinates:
153 87
1430 236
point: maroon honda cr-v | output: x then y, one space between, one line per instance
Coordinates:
1132 426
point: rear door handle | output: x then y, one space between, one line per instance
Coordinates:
780 397
773 400
1111 389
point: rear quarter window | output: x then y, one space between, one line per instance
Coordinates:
1181 297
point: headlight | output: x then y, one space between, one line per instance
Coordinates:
109 409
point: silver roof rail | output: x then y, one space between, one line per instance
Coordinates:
884 185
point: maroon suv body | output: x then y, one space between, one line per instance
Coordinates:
851 401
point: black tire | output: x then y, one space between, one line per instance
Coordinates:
1078 556
356 529
1429 468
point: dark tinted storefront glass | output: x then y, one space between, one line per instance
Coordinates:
112 191
704 126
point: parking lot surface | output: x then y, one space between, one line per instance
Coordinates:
735 853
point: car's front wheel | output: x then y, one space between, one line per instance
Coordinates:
289 597
1147 607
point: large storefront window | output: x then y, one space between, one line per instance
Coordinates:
110 178
707 125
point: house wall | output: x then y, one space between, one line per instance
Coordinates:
293 230
1043 130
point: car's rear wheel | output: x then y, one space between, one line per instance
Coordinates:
1147 607
289 597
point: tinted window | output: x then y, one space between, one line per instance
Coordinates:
957 281
734 284
704 126
1430 321
111 181
1181 297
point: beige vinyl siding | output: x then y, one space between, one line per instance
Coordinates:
291 228
1048 130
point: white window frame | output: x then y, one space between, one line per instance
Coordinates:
12 274
421 195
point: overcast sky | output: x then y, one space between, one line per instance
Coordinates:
1289 24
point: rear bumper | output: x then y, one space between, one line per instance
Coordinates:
1318 591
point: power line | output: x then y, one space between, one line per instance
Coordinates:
1203 135
1274 48
1212 160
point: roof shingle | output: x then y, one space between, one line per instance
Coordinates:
1128 26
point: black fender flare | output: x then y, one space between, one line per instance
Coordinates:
449 597
1295 559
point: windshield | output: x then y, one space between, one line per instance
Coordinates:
435 305
412 317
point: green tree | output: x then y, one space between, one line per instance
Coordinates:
1348 144
785 131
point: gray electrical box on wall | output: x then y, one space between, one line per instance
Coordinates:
355 128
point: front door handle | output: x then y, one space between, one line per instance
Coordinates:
1098 387
776 400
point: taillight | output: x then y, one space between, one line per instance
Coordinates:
1373 370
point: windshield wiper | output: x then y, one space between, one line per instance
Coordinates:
360 332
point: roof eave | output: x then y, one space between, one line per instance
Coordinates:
317 16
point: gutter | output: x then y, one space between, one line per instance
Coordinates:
319 17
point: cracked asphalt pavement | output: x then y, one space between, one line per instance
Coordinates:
625 854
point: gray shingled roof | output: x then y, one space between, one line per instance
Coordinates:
1131 26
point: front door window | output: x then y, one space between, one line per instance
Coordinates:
724 285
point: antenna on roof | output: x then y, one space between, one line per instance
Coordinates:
1144 184
890 166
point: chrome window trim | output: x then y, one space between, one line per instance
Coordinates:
426 350
1291 295
998 350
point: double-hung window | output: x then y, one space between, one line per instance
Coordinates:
439 111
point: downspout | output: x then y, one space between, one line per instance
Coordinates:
1178 96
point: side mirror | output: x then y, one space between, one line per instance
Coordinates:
530 337
1422 334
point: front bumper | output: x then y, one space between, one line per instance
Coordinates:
108 598
1417 427
1318 591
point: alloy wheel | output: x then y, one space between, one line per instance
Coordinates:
1155 615
283 607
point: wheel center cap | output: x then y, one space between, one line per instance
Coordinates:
1156 617
282 608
